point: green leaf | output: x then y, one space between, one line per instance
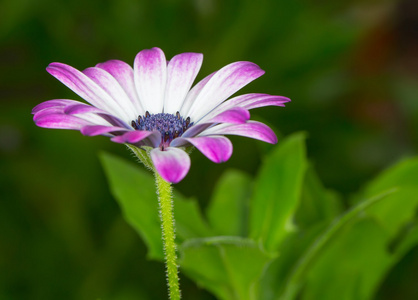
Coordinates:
230 267
228 209
317 208
290 250
404 177
134 189
317 204
322 250
351 265
189 220
403 174
277 191
352 256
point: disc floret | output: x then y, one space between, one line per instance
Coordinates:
169 125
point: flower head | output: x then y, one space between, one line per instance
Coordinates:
153 105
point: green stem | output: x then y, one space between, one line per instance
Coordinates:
165 201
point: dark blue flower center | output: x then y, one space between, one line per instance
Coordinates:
170 126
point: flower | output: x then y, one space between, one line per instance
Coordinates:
152 105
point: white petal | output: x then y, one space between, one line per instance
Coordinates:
150 73
181 72
222 85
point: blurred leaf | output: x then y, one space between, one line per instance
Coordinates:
229 267
317 208
365 242
405 173
273 281
400 219
228 209
134 189
189 220
403 176
321 250
350 266
277 191
317 204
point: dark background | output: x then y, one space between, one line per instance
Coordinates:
350 68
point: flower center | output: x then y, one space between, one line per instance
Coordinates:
170 126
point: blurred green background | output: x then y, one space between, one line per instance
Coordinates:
350 67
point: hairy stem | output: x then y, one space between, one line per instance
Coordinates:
165 201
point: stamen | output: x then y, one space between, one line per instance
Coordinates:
166 136
176 133
169 125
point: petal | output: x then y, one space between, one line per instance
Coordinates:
150 74
124 74
134 136
53 103
89 118
172 164
217 148
196 129
194 92
85 88
235 115
248 101
112 87
54 110
93 130
251 101
181 72
60 121
222 85
86 111
82 108
251 129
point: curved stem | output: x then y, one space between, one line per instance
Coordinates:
165 201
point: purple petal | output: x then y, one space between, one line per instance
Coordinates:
71 107
247 101
86 88
89 111
196 129
235 115
217 148
222 85
251 129
134 136
54 110
112 87
172 164
250 101
150 74
54 103
60 121
55 116
181 72
82 108
93 130
124 74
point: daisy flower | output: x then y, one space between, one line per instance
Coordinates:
152 106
